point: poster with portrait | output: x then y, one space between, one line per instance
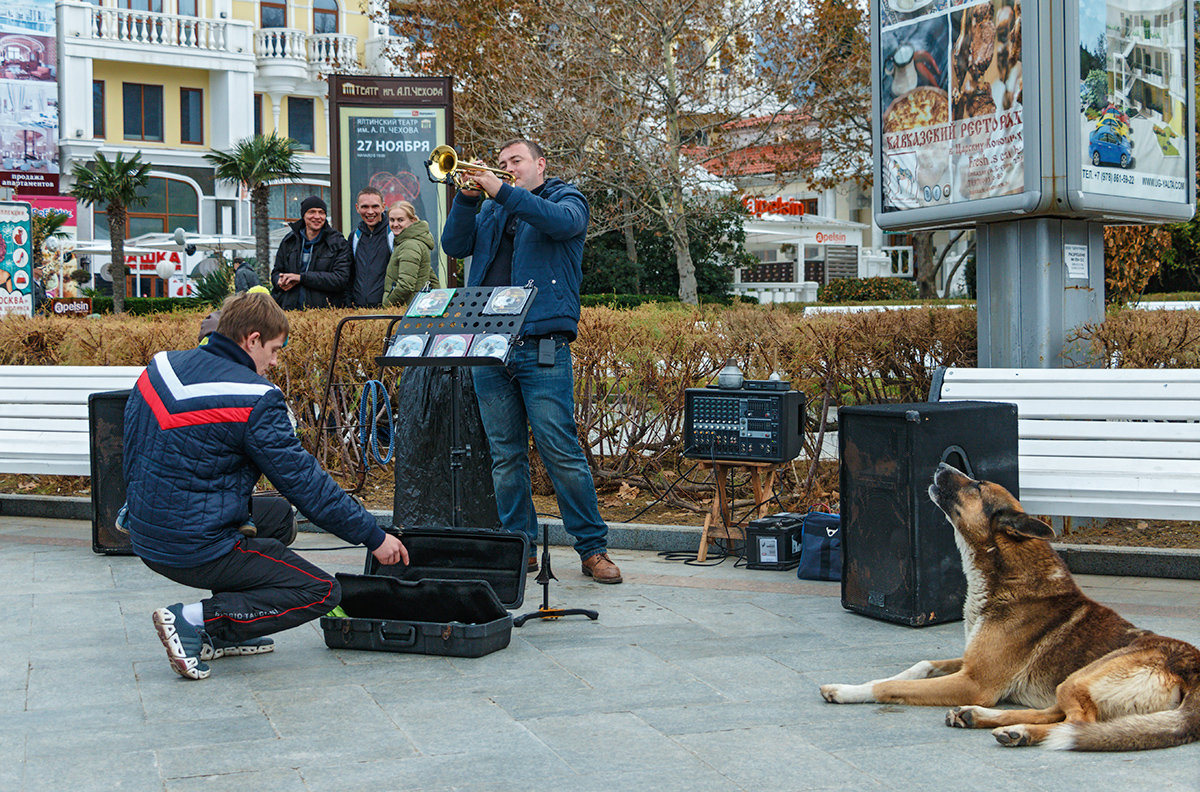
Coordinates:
950 101
29 97
16 259
1134 96
384 129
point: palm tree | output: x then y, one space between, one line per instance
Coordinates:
256 162
116 184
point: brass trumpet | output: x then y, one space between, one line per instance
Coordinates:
445 167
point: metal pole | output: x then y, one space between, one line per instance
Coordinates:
1036 281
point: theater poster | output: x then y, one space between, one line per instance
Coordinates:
950 101
28 97
1134 93
16 259
383 130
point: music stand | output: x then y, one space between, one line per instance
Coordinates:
464 314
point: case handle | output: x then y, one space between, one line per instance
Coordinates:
404 638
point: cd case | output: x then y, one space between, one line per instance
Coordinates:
507 300
491 345
430 303
450 345
408 345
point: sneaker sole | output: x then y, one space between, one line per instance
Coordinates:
186 667
212 653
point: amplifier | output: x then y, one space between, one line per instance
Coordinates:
750 424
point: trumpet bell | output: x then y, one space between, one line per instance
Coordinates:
445 167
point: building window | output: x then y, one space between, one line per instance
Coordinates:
283 202
143 112
258 107
300 122
191 115
272 15
325 16
154 6
187 8
98 129
170 204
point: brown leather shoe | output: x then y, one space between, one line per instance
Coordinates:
531 565
601 569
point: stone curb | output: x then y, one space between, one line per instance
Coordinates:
1147 562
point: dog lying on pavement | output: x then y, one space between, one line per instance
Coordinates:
1092 681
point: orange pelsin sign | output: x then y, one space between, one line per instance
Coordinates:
70 306
779 206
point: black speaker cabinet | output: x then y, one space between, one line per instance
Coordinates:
106 427
900 561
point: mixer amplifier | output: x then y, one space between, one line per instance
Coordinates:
755 423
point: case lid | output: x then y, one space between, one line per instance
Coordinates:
496 557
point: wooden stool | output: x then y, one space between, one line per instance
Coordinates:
718 523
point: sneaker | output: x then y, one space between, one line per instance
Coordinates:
248 529
214 648
601 569
122 519
183 641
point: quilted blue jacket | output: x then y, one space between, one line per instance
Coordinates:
547 247
200 426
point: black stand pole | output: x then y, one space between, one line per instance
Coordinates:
545 575
457 450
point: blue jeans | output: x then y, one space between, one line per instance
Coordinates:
522 394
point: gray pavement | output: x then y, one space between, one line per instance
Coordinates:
692 679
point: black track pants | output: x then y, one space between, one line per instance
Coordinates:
259 587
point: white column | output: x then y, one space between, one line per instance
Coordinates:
231 107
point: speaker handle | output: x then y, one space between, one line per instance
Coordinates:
951 450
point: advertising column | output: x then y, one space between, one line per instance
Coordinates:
16 259
383 129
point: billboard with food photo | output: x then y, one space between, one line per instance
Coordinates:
1134 94
950 99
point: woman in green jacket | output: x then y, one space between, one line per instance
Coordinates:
408 269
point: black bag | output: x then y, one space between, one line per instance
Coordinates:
820 547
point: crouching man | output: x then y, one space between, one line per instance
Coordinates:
200 427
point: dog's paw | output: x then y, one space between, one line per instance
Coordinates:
961 718
830 693
847 694
1012 736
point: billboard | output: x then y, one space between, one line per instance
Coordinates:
1134 102
383 129
57 255
951 104
29 97
16 259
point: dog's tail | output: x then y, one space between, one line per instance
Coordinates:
1162 729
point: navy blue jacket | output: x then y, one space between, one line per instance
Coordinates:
547 247
324 283
200 426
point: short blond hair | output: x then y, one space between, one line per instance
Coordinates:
252 312
406 207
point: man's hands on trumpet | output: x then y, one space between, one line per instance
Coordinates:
480 180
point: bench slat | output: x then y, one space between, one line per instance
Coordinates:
1109 430
1000 376
46 467
41 410
1127 450
44 424
1084 408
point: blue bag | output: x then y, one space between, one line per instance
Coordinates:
820 547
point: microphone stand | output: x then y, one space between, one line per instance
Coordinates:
545 575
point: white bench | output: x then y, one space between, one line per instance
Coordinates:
44 415
1097 442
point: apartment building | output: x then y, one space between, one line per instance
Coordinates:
175 79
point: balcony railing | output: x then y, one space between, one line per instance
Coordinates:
321 53
144 27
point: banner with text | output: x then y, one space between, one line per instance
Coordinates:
29 97
16 259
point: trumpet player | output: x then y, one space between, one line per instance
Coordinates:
532 230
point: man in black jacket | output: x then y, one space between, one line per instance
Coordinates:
312 266
371 246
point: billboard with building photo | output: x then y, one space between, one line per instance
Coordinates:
29 97
1134 95
383 129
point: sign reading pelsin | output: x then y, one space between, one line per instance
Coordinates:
29 87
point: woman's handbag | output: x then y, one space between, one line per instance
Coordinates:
820 547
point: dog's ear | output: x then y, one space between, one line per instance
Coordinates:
1021 525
